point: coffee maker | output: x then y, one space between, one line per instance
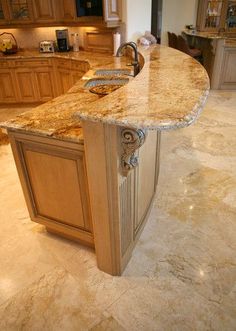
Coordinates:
62 40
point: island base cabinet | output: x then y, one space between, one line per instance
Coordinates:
120 199
54 182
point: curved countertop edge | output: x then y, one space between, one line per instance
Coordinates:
121 107
178 77
162 126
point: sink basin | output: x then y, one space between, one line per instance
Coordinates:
103 86
112 72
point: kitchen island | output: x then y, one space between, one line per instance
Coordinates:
219 56
89 165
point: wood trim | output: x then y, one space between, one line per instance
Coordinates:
102 169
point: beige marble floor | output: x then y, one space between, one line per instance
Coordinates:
182 275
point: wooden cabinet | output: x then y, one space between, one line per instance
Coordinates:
78 69
68 72
230 14
20 11
45 84
44 11
216 16
112 10
210 16
66 10
27 81
38 80
63 75
26 85
34 79
54 12
8 93
54 180
228 71
4 13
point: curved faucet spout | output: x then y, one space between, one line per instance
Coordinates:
135 63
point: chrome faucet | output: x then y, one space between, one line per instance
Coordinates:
135 63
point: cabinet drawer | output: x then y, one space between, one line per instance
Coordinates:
64 63
80 65
32 63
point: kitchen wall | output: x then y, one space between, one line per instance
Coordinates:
176 14
137 17
30 38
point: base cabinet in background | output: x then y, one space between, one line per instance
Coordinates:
228 73
38 80
25 81
8 92
45 84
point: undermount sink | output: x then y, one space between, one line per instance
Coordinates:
112 72
103 86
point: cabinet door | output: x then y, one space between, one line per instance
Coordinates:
54 181
44 84
228 73
64 80
26 85
44 10
66 10
210 15
112 10
4 13
230 14
8 91
20 11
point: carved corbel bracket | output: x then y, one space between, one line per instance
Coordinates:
131 140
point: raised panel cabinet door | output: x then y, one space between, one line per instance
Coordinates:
26 85
4 13
211 15
76 75
7 87
44 10
112 10
20 11
66 10
228 75
54 181
45 84
64 80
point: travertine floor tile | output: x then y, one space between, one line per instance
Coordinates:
54 302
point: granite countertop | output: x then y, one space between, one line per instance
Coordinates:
209 35
168 93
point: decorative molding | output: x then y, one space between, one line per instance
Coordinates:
131 140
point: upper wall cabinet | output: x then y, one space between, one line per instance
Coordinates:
56 12
44 10
112 10
216 15
4 13
231 16
66 10
20 11
210 15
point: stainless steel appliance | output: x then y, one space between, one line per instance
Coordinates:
46 46
63 40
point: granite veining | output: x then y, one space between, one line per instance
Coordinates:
168 93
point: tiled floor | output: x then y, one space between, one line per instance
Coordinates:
182 275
